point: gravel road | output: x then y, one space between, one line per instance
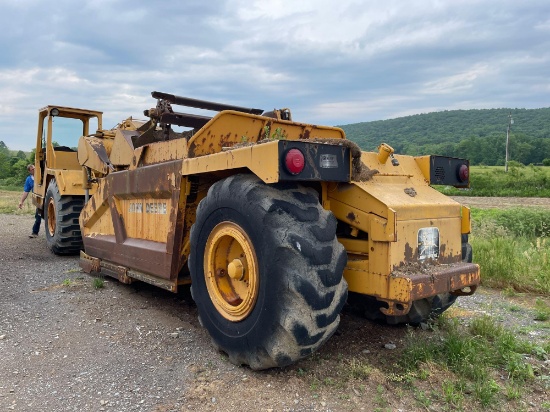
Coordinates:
66 346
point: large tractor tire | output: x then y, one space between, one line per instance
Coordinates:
266 271
61 214
421 310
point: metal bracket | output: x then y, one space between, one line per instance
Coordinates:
396 308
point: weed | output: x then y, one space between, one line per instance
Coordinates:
379 398
512 392
98 283
451 395
487 391
421 397
328 381
279 134
474 355
509 292
514 308
542 310
66 282
358 369
314 385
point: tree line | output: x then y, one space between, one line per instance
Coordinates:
478 135
13 166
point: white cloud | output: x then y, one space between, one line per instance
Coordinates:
330 62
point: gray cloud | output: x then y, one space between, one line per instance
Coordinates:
332 63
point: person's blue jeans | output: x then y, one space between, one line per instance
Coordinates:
37 221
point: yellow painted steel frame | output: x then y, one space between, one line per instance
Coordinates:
262 160
60 165
228 128
386 214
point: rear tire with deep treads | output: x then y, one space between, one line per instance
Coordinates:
289 303
61 215
421 310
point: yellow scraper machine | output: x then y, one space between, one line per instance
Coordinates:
272 222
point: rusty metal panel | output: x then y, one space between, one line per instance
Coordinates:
88 263
92 153
148 256
123 148
230 128
446 278
153 193
416 282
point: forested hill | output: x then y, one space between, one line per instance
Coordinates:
479 135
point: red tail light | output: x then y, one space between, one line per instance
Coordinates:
294 161
463 173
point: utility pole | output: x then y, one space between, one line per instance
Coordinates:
510 123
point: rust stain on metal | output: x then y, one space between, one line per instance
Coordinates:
428 279
409 252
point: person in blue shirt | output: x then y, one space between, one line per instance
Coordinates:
29 185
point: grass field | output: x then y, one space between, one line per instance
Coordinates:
520 181
512 247
9 200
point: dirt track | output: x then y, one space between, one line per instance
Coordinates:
503 202
67 346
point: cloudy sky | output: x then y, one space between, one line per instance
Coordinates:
331 62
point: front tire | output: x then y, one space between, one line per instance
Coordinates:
266 271
61 214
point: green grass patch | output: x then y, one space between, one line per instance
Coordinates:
512 247
98 283
9 202
474 355
520 181
518 221
542 310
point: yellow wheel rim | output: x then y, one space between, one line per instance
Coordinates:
231 271
51 217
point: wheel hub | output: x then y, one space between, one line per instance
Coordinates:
236 269
231 271
51 217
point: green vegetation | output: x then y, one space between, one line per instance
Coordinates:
512 247
520 181
13 167
474 356
9 201
454 365
98 283
542 310
478 135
